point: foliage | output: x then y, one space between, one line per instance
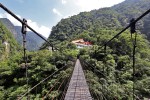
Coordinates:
109 73
40 64
85 24
113 70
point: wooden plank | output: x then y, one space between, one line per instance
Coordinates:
78 88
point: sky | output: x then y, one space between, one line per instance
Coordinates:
42 15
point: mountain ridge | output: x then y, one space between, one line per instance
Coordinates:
115 17
33 41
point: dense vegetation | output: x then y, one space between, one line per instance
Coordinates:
40 64
109 73
114 17
114 79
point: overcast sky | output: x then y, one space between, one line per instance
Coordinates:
43 14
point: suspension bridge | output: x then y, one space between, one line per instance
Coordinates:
77 87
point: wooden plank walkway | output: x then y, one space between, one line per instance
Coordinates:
78 88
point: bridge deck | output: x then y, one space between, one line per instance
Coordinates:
78 88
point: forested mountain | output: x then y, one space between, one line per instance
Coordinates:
116 17
33 41
109 73
9 25
40 65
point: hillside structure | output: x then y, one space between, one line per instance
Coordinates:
80 43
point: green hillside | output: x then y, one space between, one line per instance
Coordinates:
115 17
33 41
40 64
109 73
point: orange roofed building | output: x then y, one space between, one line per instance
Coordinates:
80 43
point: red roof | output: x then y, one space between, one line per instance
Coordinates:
81 41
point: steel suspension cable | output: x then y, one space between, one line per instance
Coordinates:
133 58
93 67
136 20
96 70
89 88
59 87
52 88
134 45
24 31
17 18
98 95
41 82
65 90
66 87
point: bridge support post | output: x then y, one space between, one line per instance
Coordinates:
24 31
133 30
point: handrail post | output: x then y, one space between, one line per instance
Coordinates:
24 31
132 31
20 20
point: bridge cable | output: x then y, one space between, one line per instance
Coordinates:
17 18
60 87
24 31
91 66
136 20
93 94
83 65
131 25
66 87
51 88
98 94
134 42
41 82
97 71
